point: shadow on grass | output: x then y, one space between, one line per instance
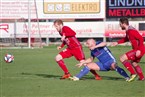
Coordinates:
87 77
142 62
43 75
104 78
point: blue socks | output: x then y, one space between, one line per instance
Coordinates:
121 72
83 72
86 70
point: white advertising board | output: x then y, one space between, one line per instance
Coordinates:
52 9
6 30
82 29
16 9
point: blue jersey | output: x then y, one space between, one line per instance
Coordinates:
103 54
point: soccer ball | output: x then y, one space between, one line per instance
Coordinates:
9 58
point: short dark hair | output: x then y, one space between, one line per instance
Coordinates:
124 20
58 21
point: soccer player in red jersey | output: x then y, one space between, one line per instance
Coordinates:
74 48
137 52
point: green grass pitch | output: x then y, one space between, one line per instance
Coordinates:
34 73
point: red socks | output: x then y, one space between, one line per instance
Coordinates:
139 72
132 70
129 67
62 66
94 73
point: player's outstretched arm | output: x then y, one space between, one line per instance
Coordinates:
61 46
102 44
85 62
114 43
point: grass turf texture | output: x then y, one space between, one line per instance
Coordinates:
34 73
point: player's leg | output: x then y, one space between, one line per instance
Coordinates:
59 59
125 61
131 55
79 55
120 71
135 62
61 63
97 76
139 71
86 70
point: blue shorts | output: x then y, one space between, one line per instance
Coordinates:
105 66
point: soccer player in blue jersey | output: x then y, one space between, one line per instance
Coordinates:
106 60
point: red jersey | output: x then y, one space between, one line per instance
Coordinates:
71 41
135 39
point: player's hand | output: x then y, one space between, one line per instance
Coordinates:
138 53
114 43
59 47
79 65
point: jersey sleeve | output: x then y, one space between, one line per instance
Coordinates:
63 44
68 32
125 39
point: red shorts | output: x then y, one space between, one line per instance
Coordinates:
131 55
76 52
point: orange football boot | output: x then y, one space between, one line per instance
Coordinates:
98 78
66 76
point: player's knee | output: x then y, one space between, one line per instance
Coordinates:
91 66
122 58
138 53
134 64
88 65
113 66
58 57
